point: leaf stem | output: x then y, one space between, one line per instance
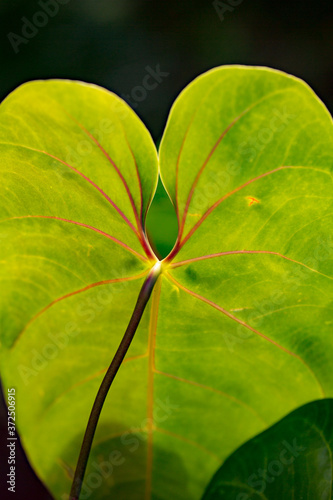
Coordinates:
141 303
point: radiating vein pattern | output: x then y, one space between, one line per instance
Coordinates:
238 331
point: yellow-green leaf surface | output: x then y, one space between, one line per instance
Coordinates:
238 331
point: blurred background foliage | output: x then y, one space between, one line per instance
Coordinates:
112 42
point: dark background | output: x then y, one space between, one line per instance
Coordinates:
111 43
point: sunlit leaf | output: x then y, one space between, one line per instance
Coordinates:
238 331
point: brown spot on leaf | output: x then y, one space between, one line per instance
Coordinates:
252 200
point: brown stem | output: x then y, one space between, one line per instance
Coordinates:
142 301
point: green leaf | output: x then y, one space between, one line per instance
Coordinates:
79 170
161 223
252 279
56 212
291 460
237 334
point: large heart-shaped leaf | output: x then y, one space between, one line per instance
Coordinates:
72 257
238 331
291 460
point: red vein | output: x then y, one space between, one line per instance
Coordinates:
188 441
134 252
231 316
196 180
69 470
249 108
132 430
140 233
138 177
217 203
122 178
75 292
92 377
99 189
235 252
88 180
150 386
143 238
180 243
177 169
212 389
